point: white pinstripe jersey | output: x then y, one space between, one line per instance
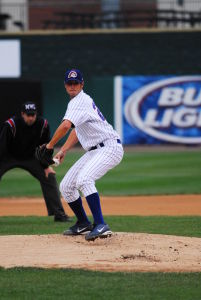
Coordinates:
90 125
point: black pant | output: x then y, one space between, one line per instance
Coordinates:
48 184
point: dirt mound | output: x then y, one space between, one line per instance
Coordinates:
121 252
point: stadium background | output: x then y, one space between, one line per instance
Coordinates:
130 38
100 56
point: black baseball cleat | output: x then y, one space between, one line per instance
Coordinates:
99 231
79 228
62 218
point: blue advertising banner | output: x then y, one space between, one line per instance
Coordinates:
158 109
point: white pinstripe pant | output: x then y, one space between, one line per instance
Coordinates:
90 167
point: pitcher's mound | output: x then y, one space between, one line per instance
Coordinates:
121 252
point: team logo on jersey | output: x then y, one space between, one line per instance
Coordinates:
72 74
168 109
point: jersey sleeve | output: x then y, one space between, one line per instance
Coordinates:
45 133
76 115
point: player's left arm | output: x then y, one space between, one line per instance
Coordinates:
61 131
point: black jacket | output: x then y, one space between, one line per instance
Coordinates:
19 140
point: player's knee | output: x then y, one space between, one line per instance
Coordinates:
86 185
81 182
67 192
63 188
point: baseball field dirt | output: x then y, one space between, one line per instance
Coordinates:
171 205
121 252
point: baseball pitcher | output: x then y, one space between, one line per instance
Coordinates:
103 149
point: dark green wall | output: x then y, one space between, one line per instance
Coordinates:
100 57
47 56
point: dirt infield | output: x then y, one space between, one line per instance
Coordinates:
172 205
121 252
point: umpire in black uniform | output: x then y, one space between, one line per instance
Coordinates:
19 137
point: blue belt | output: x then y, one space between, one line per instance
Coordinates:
102 145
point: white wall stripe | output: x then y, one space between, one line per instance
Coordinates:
118 105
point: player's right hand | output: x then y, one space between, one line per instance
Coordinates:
60 156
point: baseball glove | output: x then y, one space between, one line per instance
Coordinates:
44 155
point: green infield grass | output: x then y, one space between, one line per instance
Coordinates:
183 226
36 283
30 283
140 173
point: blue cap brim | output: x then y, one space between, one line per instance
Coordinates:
72 79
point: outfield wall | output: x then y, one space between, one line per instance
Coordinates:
101 56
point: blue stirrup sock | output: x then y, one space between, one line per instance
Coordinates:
79 211
93 201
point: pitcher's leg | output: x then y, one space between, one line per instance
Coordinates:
104 160
82 225
98 165
68 187
93 201
72 197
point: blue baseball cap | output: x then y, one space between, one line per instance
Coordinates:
73 75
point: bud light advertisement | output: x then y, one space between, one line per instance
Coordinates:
158 109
